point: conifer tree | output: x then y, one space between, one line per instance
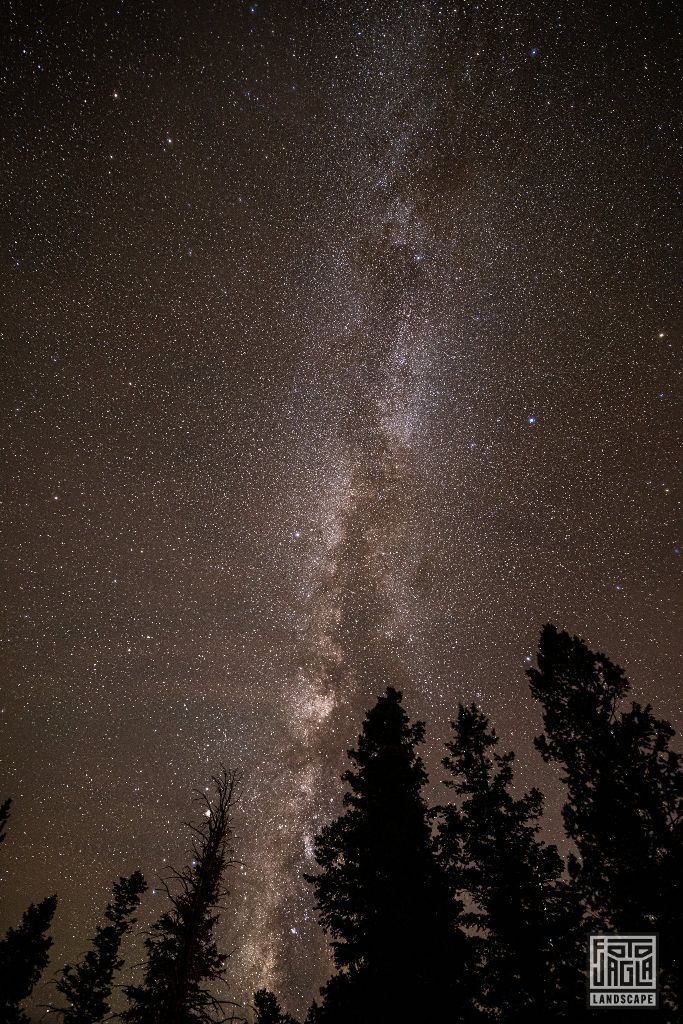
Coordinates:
23 958
87 987
184 964
532 956
4 817
24 949
268 1010
624 807
381 895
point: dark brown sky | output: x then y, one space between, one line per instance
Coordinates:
339 348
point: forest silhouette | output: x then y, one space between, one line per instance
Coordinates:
458 912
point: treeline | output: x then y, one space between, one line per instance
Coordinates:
183 963
458 912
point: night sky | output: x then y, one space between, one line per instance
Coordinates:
339 349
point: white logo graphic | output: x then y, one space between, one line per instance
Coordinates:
622 970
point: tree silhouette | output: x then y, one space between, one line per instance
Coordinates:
87 986
23 958
532 952
624 797
381 895
183 961
24 949
4 817
268 1009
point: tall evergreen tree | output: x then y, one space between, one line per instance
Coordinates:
531 950
4 817
268 1010
184 963
624 807
87 986
381 894
23 958
24 950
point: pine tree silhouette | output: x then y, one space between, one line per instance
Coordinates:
24 949
381 895
183 961
624 807
87 986
532 953
23 958
268 1009
4 817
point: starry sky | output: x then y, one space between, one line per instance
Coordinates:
339 349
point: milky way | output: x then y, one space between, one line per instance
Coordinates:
340 350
